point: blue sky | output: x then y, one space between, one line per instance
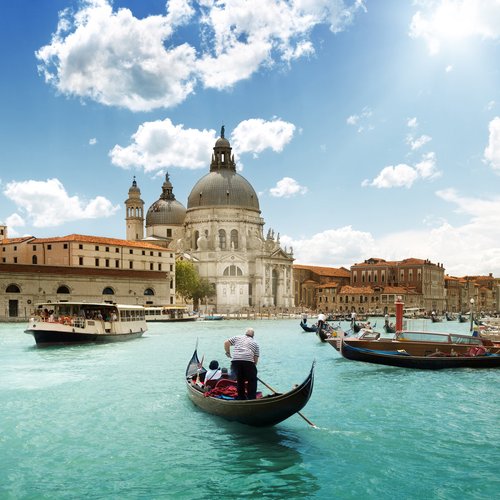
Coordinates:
368 128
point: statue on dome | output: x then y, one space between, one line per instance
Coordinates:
222 131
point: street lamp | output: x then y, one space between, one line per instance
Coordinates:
471 313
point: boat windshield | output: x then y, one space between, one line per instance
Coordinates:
422 337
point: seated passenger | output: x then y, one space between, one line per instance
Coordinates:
213 373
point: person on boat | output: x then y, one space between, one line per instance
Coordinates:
213 373
245 356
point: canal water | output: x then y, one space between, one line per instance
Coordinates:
114 421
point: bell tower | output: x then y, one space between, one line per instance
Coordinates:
134 219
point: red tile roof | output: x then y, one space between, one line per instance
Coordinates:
340 272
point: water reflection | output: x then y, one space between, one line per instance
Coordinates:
264 463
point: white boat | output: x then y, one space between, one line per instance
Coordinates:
82 322
168 313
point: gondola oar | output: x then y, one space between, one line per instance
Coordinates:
276 392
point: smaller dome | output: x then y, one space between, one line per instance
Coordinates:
134 188
222 142
167 210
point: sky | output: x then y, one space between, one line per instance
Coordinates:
368 128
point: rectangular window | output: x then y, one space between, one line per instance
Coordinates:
150 266
117 250
144 252
34 248
96 248
80 261
3 260
65 246
159 267
15 248
97 263
169 233
171 267
130 251
151 254
80 247
131 265
49 247
107 262
117 263
15 260
107 249
159 254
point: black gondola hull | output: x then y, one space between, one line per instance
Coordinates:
420 362
262 412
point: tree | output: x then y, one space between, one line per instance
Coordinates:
186 279
205 289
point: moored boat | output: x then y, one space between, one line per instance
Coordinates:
418 343
476 357
164 314
261 412
82 322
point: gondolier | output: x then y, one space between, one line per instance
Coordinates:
245 356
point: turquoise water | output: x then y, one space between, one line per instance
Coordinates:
114 421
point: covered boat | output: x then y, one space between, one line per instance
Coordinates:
418 343
475 358
81 322
261 412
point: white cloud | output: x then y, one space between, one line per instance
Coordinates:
117 59
404 175
418 142
449 68
333 247
47 204
15 220
467 248
286 188
492 151
161 144
255 135
412 122
401 175
440 21
362 119
93 141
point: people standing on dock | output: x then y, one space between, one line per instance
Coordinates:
245 356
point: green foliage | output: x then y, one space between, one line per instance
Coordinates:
204 289
186 279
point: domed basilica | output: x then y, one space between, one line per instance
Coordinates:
221 232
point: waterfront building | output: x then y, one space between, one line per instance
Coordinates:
221 232
316 286
82 268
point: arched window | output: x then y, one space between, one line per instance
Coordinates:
222 239
234 239
149 291
12 289
63 289
108 291
233 270
34 259
196 236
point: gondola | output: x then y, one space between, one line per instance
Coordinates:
462 318
402 359
262 412
307 328
389 329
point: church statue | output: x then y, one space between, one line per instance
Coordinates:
222 132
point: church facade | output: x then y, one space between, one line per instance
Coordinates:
222 232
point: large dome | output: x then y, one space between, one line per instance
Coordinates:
166 210
223 188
